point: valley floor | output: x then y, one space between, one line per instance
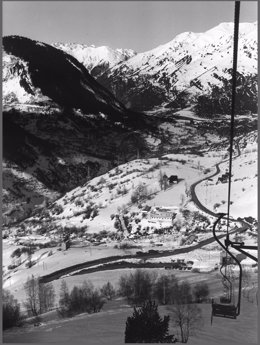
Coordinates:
108 325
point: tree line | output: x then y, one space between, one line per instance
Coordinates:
143 290
142 285
40 298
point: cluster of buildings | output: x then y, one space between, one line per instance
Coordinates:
157 218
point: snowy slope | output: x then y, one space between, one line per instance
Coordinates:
191 62
15 76
35 72
91 206
109 192
96 59
243 184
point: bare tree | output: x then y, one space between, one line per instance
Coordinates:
108 291
137 286
160 179
187 190
46 297
40 297
188 318
83 299
166 289
64 297
183 293
32 303
140 193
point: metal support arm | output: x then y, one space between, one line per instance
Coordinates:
221 215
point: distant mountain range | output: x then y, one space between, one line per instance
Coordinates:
191 64
97 60
71 112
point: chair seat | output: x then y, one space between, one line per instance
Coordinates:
224 310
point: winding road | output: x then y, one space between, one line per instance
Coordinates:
118 261
115 262
194 197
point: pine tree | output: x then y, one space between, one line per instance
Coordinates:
147 326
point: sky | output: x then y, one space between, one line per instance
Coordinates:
139 25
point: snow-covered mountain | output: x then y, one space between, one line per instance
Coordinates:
60 126
191 64
35 72
96 59
69 128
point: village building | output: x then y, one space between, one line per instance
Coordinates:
158 218
163 213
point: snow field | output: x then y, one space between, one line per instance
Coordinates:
243 188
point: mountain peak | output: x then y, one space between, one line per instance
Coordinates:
96 59
228 28
187 35
192 63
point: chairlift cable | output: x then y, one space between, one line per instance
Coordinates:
217 309
233 104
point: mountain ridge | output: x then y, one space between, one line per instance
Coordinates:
193 63
68 128
190 62
96 59
59 76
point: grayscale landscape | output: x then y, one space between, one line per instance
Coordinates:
115 170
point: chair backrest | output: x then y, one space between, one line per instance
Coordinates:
224 310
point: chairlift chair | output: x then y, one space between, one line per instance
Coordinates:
226 307
224 310
229 309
